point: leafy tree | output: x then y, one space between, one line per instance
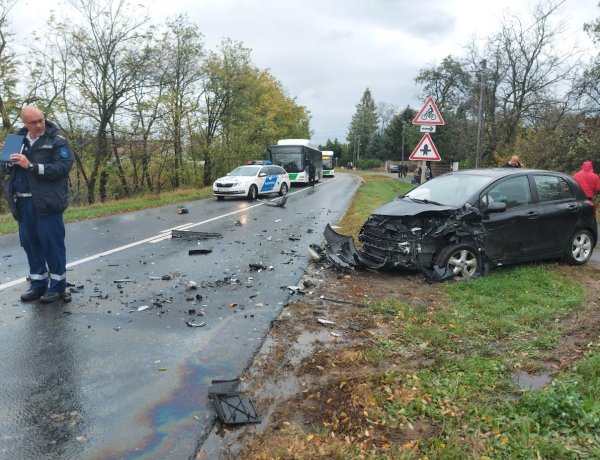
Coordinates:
335 147
449 84
225 80
400 129
8 68
363 126
180 71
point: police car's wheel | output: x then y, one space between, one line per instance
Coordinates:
283 190
252 193
220 198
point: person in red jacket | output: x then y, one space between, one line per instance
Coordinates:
587 179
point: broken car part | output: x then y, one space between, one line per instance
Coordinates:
231 408
279 202
193 252
189 235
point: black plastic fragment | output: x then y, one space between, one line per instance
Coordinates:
189 235
193 252
438 274
279 202
231 408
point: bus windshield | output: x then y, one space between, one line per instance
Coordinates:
327 162
288 157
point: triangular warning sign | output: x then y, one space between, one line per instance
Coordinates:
429 114
425 150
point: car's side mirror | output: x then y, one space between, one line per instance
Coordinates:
496 206
262 174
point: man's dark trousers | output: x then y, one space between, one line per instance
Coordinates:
43 239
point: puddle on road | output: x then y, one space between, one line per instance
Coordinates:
527 381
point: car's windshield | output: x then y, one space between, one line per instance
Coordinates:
449 189
244 171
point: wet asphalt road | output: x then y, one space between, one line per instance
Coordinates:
98 379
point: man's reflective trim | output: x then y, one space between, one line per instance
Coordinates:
58 277
38 277
40 168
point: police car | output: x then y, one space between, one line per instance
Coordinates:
252 180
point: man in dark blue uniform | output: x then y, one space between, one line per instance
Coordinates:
37 196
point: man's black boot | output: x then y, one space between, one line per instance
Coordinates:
32 294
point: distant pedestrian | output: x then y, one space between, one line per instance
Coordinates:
311 173
36 191
514 162
587 179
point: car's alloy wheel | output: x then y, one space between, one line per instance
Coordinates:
252 193
580 249
463 259
283 190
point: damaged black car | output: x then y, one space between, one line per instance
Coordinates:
462 223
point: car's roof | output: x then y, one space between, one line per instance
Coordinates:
499 172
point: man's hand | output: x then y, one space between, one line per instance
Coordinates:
19 159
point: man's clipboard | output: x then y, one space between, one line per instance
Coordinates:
13 143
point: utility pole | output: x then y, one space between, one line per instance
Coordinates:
358 150
403 126
482 74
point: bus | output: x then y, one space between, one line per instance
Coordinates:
328 163
294 155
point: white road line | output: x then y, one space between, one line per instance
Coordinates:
163 235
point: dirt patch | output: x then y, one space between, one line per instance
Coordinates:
312 375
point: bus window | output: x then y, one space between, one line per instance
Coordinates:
294 155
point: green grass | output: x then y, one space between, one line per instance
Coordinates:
469 348
375 191
77 213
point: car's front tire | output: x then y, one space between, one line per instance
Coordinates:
580 248
253 193
220 198
463 259
283 189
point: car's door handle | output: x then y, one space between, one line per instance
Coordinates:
573 207
532 215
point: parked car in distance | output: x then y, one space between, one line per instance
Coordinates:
393 168
252 180
462 223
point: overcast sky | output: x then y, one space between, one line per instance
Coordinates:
326 52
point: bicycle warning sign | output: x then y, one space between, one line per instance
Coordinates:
429 114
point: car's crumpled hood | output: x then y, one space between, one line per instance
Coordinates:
407 207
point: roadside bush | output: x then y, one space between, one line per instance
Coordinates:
368 164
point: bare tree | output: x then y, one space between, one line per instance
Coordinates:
528 68
109 52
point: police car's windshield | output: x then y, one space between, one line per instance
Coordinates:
244 171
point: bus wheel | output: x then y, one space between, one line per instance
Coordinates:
252 193
283 190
